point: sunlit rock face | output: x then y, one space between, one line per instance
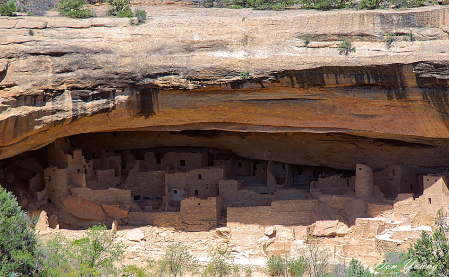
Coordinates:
245 78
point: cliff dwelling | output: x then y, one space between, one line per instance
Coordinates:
227 119
99 178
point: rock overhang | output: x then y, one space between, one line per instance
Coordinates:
248 73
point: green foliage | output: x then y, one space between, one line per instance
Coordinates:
277 5
369 4
248 272
429 256
356 269
411 36
134 271
345 47
244 75
141 16
18 244
297 267
312 4
323 4
389 40
8 8
307 40
177 260
92 255
31 32
74 9
221 263
121 8
276 265
406 3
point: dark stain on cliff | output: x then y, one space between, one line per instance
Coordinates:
147 99
389 76
431 78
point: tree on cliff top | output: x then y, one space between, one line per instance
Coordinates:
74 9
18 243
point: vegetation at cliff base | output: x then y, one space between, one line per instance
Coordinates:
18 243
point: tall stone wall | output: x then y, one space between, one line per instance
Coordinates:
364 181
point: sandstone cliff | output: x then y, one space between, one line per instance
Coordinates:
237 71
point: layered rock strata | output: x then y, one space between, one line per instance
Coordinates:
240 71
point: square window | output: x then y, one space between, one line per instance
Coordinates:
182 162
175 191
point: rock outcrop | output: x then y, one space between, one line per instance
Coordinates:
246 72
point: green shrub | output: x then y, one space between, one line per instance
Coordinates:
306 40
222 264
92 255
356 269
244 75
297 267
219 266
248 272
74 9
255 4
121 8
8 8
323 4
406 3
389 40
369 4
430 253
31 32
18 244
177 260
276 265
134 271
346 47
141 16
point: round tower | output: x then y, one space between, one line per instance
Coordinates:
364 181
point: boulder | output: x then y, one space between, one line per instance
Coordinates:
136 235
115 212
328 228
82 208
270 231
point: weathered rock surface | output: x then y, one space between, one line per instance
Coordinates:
235 70
136 235
82 208
115 212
